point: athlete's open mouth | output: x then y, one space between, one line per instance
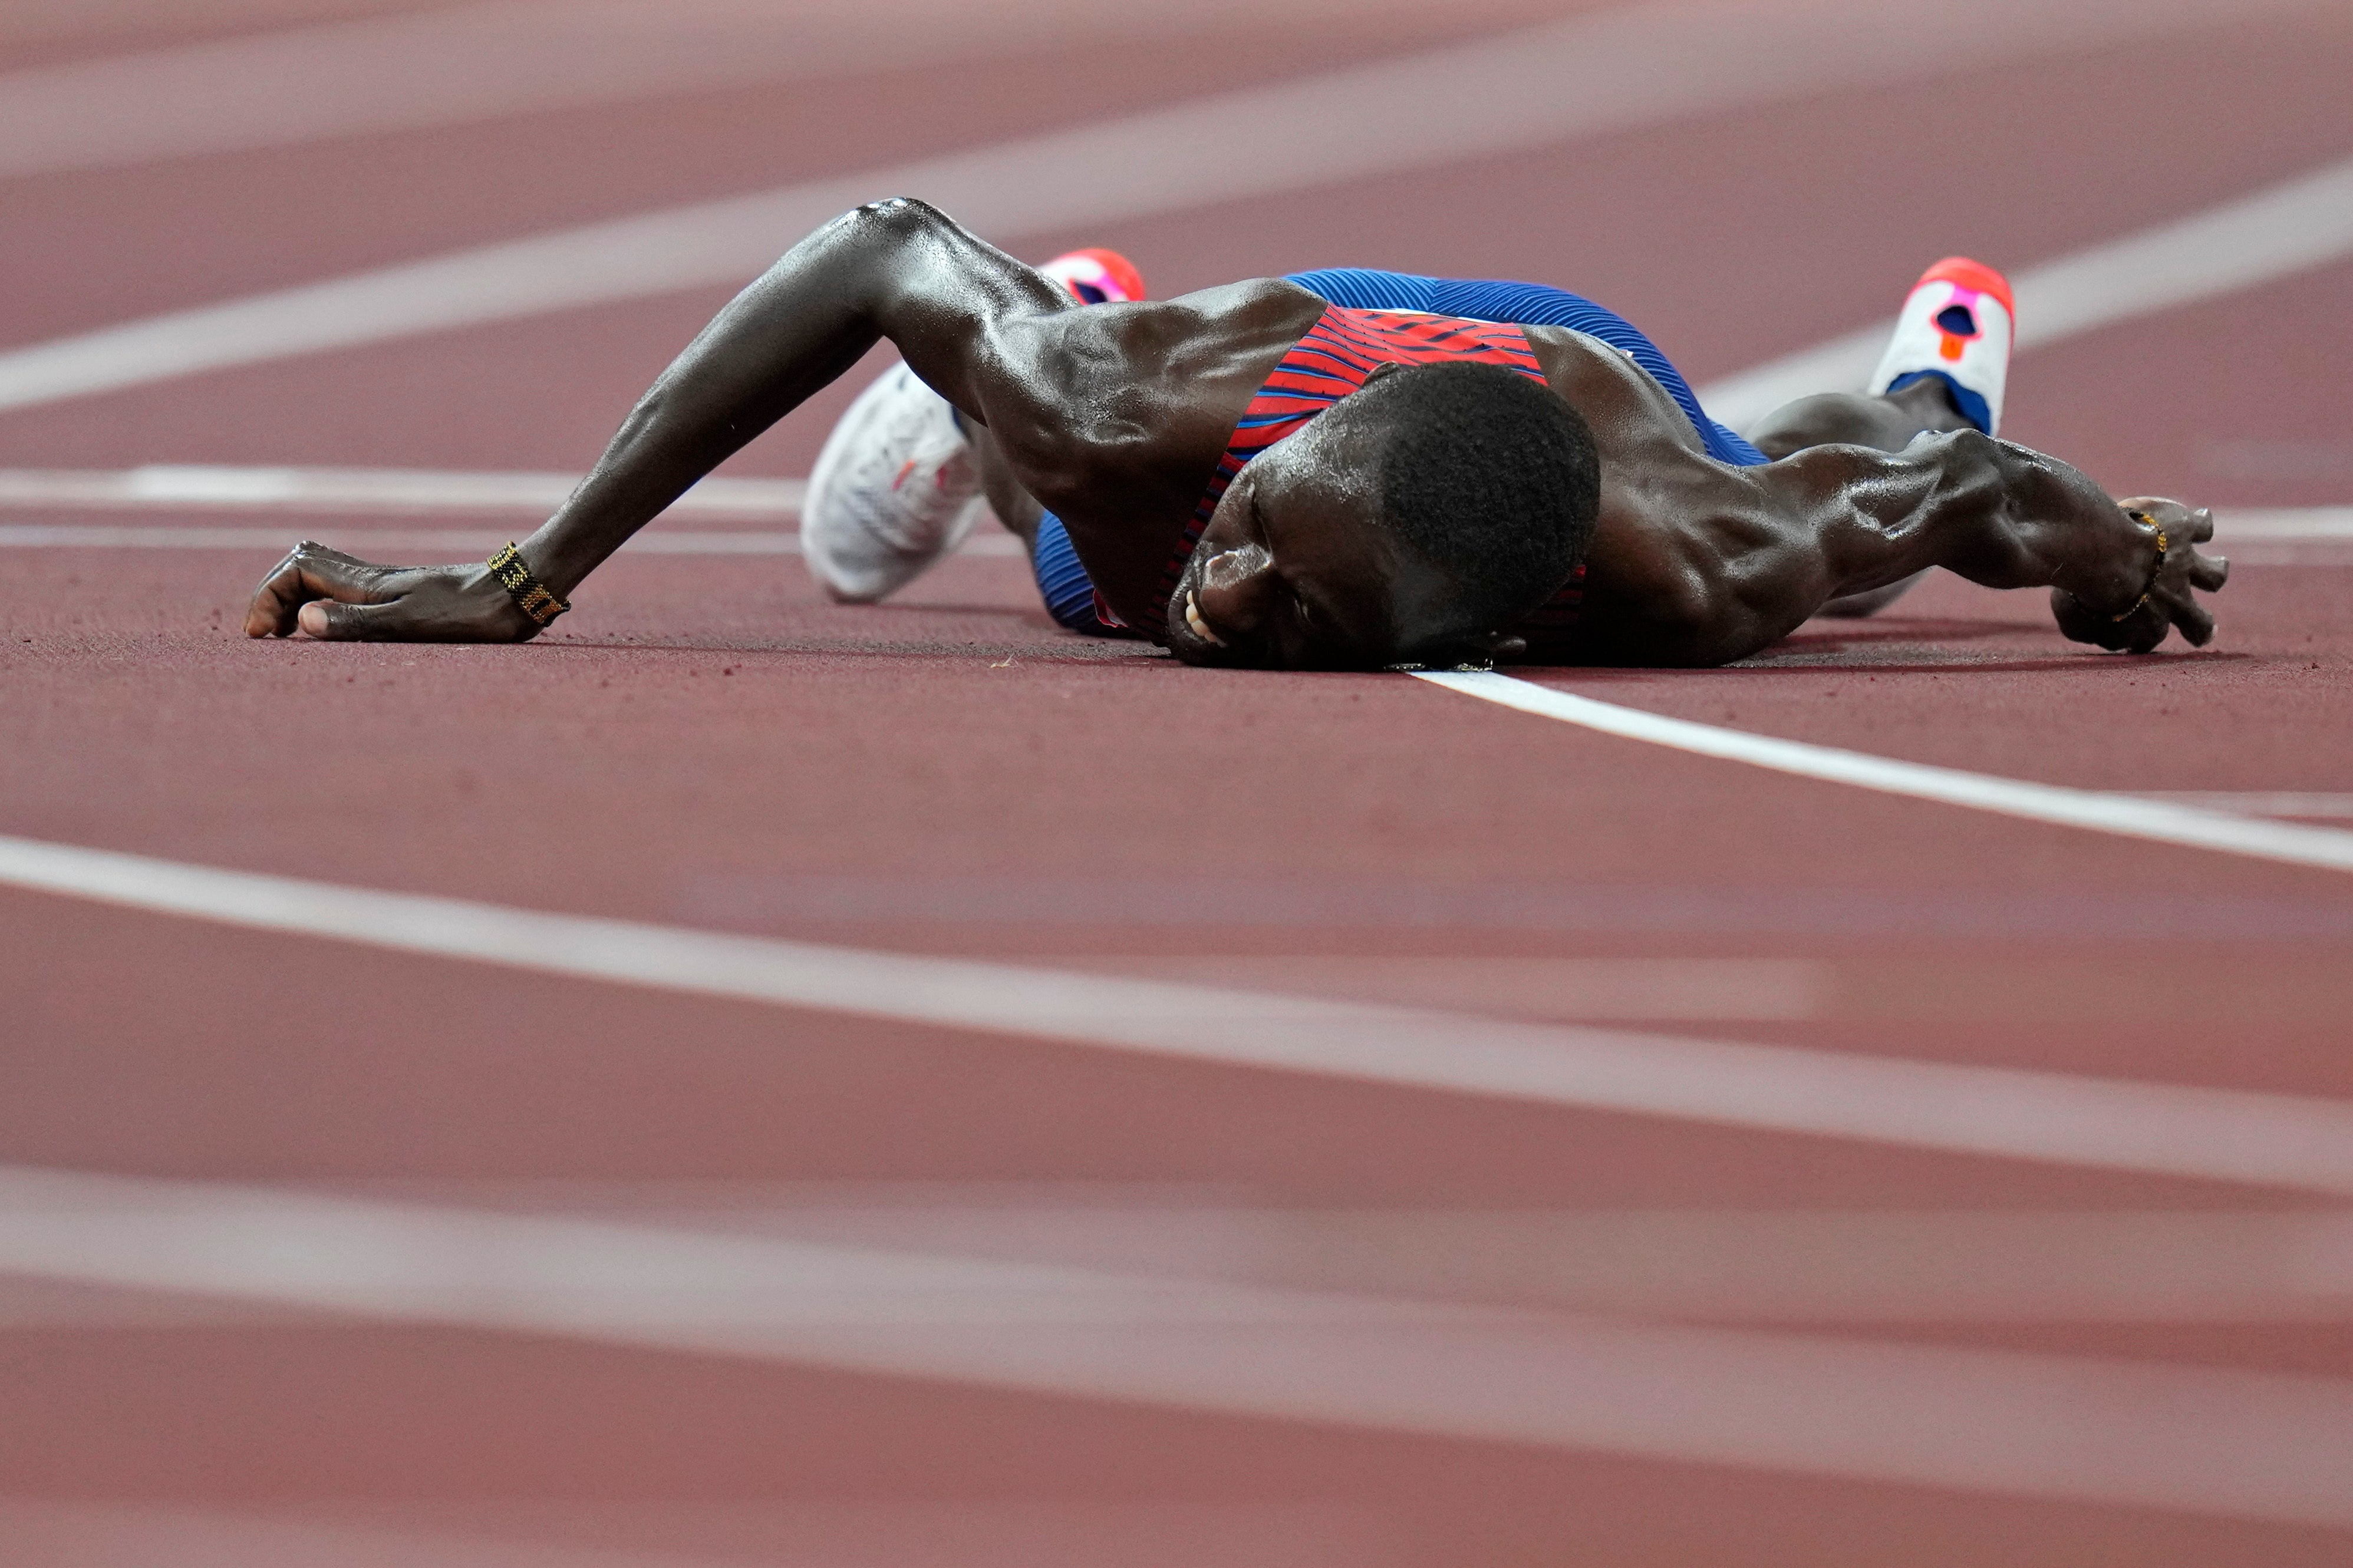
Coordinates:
1193 621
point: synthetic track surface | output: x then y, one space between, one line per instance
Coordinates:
707 744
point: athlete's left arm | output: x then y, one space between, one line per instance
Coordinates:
964 315
1833 520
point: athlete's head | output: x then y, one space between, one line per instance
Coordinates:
1412 525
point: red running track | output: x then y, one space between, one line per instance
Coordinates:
706 744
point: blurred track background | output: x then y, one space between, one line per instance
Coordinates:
1209 1118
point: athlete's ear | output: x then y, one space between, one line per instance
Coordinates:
1387 368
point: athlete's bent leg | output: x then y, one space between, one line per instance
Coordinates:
1015 507
1887 423
898 485
1945 369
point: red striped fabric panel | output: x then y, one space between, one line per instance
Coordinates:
1338 354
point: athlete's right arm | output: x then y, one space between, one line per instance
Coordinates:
1717 573
2122 575
898 268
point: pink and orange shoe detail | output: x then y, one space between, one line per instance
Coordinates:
1097 277
1957 325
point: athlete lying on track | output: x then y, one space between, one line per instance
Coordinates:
1257 475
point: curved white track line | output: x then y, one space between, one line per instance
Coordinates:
2292 226
1820 1268
450 65
1611 71
2132 817
2205 1134
209 485
435 543
2195 1439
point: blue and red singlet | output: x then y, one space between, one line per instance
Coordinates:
1376 319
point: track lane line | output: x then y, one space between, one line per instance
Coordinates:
1607 71
2210 1135
640 1531
2127 815
2284 229
1819 1268
296 488
456 544
2261 802
452 65
2186 1438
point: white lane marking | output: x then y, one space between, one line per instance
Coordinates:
450 65
1723 1266
192 486
2260 802
2131 816
2284 536
2281 522
2203 1440
81 1534
176 485
436 543
891 1532
2286 228
1612 71
2205 1133
1622 990
2255 535
195 487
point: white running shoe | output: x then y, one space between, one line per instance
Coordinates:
1956 325
896 489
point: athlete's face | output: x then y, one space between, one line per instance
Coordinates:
1295 571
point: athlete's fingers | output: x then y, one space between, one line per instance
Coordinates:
2196 625
330 621
2209 572
311 571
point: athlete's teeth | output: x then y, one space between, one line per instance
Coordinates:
1200 627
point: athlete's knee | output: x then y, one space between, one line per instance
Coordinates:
1844 417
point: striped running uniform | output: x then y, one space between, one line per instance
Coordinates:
1454 319
1529 305
1338 354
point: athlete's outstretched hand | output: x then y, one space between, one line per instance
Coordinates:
326 593
2171 601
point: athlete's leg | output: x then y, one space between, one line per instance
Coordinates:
900 482
1015 507
1888 423
1062 580
1945 369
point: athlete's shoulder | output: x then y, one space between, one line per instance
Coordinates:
1631 415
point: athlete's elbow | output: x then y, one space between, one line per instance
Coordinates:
899 219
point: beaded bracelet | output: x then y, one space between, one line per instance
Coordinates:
2137 605
530 594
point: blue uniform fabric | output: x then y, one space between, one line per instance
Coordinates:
1069 593
1972 405
1527 305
